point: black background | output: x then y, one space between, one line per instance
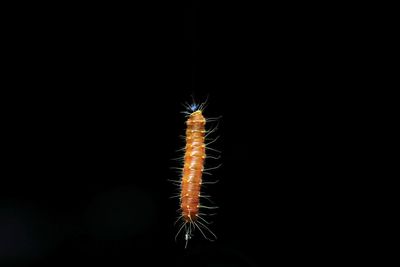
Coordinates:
93 120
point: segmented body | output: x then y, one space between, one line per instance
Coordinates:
193 166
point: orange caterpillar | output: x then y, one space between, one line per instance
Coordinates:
195 153
192 172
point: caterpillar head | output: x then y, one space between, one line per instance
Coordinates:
194 107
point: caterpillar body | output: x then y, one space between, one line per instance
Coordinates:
192 175
193 166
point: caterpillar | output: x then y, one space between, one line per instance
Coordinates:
191 181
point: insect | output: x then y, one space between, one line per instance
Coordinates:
190 184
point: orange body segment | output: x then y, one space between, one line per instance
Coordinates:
193 166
